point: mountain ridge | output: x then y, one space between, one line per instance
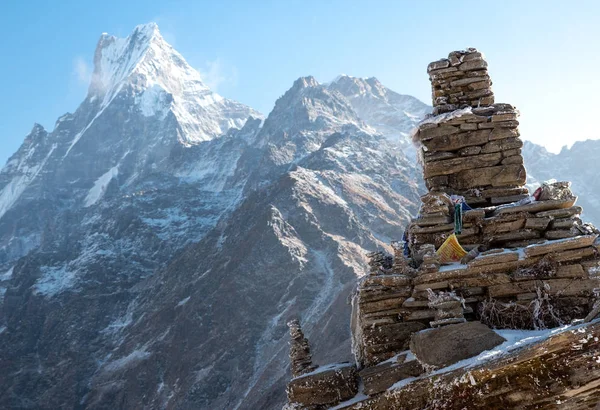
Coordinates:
154 261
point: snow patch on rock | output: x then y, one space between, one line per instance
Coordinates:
99 188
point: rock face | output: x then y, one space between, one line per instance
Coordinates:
447 345
155 243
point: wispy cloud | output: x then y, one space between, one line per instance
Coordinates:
82 71
216 73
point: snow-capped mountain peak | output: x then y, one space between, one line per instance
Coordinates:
144 66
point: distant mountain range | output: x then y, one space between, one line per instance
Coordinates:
155 242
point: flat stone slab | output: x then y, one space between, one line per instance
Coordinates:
379 378
538 206
450 344
327 385
559 245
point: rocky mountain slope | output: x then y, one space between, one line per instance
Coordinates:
153 245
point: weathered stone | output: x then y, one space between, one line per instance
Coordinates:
592 268
561 234
565 223
499 200
507 116
564 287
300 356
433 221
437 155
386 304
515 159
419 315
496 176
561 213
479 93
454 165
457 141
328 385
468 151
450 344
503 133
390 333
485 84
519 235
537 223
472 65
494 258
570 271
499 124
475 55
466 81
432 229
387 280
529 375
502 145
440 131
468 127
559 246
379 378
539 206
436 65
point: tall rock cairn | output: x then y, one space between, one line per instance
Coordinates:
470 146
300 357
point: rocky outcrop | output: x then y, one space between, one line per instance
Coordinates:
528 261
562 372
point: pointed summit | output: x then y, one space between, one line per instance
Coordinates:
117 59
143 66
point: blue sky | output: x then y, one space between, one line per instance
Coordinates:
544 56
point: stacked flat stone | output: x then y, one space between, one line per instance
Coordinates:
376 323
448 308
552 217
460 80
532 262
475 153
300 357
401 265
379 262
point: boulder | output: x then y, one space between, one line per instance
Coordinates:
447 345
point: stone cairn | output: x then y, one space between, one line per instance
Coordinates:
300 357
527 261
460 80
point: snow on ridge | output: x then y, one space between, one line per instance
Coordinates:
54 280
7 275
127 361
97 191
15 188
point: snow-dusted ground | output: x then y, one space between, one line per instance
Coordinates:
515 340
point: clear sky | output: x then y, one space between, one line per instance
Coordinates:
544 56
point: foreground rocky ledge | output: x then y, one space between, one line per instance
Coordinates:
562 372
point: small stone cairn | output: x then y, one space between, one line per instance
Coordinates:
300 357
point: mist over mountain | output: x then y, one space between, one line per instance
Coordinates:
155 242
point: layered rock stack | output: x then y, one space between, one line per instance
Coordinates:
379 262
460 80
518 260
300 357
